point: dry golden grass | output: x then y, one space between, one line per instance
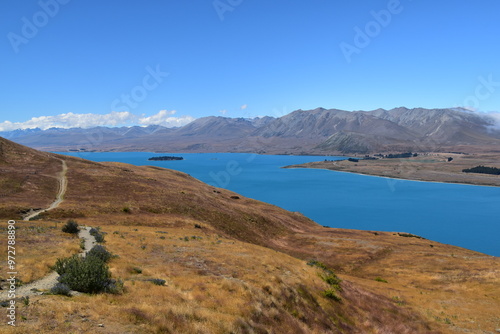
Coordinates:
28 179
38 246
213 285
453 288
248 271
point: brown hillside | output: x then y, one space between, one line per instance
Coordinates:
238 265
27 178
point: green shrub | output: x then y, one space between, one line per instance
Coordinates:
316 263
93 231
157 281
101 252
114 286
61 289
71 227
380 279
331 279
97 234
331 294
89 274
137 270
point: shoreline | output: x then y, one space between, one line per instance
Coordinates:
388 177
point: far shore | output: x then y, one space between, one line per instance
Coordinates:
429 167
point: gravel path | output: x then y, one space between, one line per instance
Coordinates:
63 185
37 287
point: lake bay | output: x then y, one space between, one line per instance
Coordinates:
461 215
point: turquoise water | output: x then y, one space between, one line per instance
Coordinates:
461 215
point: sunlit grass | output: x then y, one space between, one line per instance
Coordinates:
38 246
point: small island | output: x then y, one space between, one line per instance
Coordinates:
165 158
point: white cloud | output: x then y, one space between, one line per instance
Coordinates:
495 117
243 107
223 112
164 117
72 120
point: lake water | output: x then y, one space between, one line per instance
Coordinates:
461 215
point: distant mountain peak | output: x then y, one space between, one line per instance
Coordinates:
318 131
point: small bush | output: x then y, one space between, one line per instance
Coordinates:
97 234
114 286
380 279
137 270
70 227
331 294
127 210
89 274
332 280
93 231
157 281
316 263
61 289
100 252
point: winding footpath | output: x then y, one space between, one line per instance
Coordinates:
44 284
37 287
63 186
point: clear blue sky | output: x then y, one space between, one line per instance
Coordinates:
262 58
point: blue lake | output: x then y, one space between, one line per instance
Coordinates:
461 215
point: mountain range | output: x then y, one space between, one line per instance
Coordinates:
318 131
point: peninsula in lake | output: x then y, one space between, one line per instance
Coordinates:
433 167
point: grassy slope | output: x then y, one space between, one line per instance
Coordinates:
226 281
27 177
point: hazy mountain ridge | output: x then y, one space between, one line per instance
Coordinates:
319 131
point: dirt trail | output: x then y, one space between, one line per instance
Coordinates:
63 185
37 287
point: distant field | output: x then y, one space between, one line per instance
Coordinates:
433 167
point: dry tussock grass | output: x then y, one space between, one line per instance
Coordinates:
38 246
227 282
213 285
